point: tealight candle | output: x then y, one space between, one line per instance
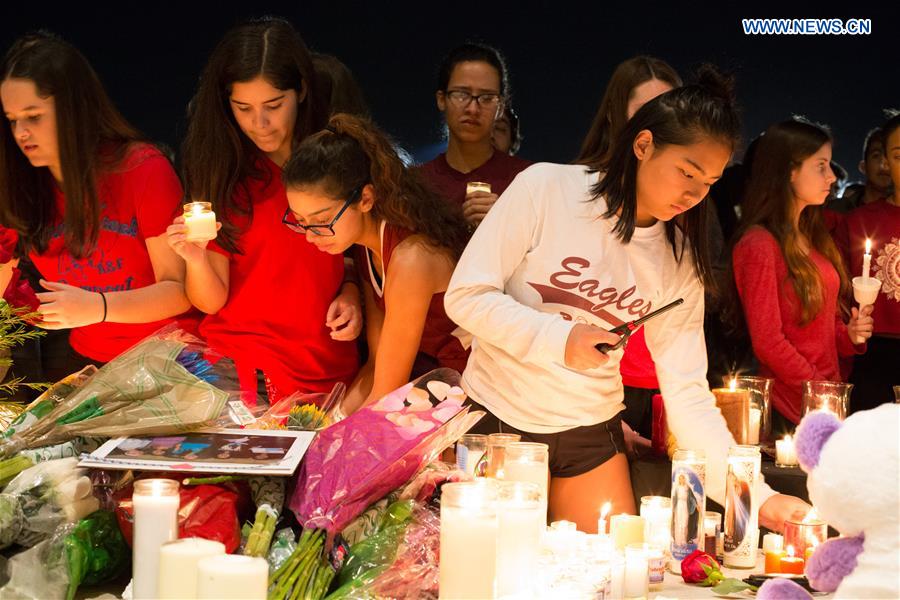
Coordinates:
178 566
232 577
626 529
785 454
791 564
155 503
200 221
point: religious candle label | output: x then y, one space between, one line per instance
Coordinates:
657 566
688 507
741 482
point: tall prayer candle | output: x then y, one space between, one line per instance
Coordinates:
688 504
469 531
155 503
522 517
742 506
200 221
232 577
178 566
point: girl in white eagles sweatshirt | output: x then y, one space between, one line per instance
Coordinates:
566 254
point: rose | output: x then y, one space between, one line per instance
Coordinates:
700 567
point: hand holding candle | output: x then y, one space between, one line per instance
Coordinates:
200 221
865 289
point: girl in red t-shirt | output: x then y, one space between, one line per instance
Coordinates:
272 302
346 186
788 272
90 203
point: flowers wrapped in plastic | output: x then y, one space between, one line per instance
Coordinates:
161 385
41 498
302 412
359 460
379 448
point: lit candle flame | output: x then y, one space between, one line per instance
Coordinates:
868 246
790 551
733 384
197 210
605 510
811 516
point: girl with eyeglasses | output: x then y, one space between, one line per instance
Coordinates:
584 251
272 301
472 88
348 188
90 201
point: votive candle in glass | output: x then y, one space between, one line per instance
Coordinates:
637 572
827 396
810 532
469 451
200 221
469 533
529 462
760 389
785 453
657 513
521 517
495 454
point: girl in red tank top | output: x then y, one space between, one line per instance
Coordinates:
346 186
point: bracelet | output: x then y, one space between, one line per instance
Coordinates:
103 297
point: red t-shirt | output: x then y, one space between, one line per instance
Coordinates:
499 171
788 352
637 367
438 340
279 291
880 222
138 200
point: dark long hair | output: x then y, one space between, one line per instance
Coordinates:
769 203
218 158
352 152
681 117
92 137
612 114
473 52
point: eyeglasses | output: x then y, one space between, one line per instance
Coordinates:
462 98
290 220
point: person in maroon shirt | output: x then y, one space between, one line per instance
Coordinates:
788 273
346 185
875 372
472 87
90 202
273 303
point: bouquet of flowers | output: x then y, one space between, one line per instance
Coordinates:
161 385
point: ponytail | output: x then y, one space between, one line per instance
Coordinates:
352 152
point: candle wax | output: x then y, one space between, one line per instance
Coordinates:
792 564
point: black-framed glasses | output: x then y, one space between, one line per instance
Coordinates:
324 230
462 98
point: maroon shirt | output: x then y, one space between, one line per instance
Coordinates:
438 343
499 171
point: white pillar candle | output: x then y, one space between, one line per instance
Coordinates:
529 462
772 542
626 529
232 577
755 420
155 503
469 531
637 572
657 514
178 566
785 455
521 520
867 260
617 576
200 221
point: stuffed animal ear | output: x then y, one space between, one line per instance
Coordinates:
813 432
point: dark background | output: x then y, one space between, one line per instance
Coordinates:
560 55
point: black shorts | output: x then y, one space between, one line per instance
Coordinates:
574 451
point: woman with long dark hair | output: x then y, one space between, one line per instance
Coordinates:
272 301
788 273
583 252
347 187
90 201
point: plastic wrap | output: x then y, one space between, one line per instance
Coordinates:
40 572
408 570
306 412
162 385
379 448
283 545
41 498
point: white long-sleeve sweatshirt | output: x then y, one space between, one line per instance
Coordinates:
545 259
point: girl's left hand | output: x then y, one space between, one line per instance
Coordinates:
66 306
344 316
780 508
861 324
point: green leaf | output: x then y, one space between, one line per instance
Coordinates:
731 586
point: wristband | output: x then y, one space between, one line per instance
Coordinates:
103 297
